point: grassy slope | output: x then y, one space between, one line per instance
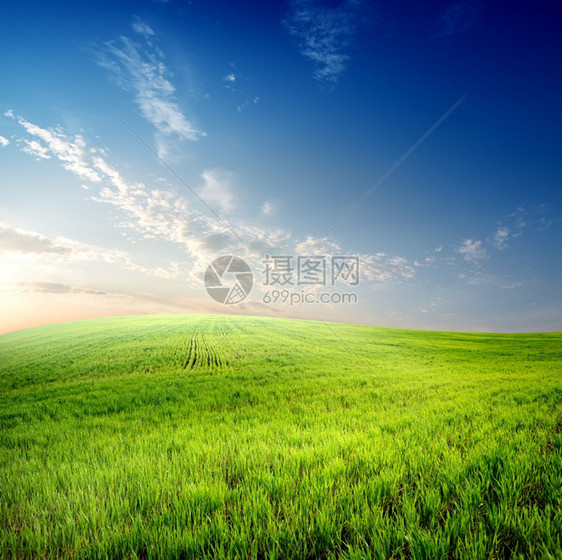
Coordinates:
273 440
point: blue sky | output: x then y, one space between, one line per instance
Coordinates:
277 118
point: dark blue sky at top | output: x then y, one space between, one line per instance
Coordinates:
408 62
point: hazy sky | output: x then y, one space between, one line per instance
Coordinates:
141 140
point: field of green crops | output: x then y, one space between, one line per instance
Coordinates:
240 437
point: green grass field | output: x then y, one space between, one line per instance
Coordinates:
240 437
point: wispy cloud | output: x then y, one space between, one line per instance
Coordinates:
240 88
153 213
430 306
528 217
34 148
519 217
378 267
317 246
500 238
472 251
26 254
267 208
324 33
246 103
144 73
479 278
16 240
142 28
383 268
35 246
217 189
159 213
545 217
4 142
71 151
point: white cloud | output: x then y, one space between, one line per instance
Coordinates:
142 28
538 217
4 142
34 148
217 190
146 75
20 241
381 268
154 213
267 208
240 90
317 246
374 268
71 151
500 238
472 251
161 214
324 33
520 217
32 246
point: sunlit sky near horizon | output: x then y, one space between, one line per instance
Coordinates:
280 116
